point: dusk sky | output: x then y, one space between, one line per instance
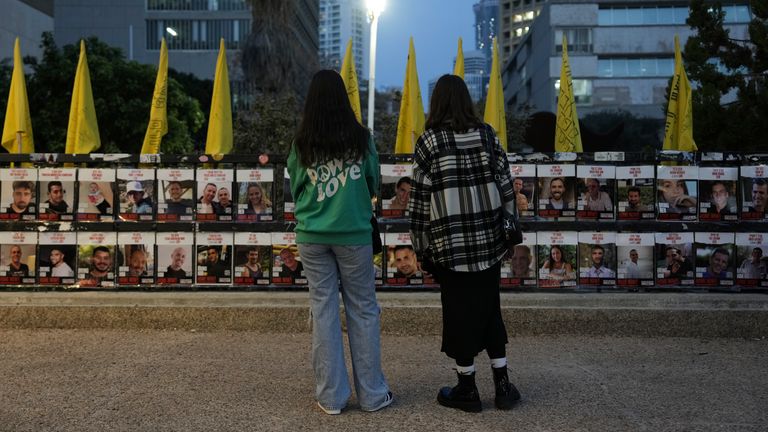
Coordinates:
435 26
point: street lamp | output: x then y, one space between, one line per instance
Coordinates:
375 8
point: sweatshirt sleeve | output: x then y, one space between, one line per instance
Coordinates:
372 169
505 178
420 200
296 173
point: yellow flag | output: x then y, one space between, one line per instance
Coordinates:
349 75
678 130
567 133
83 130
458 68
219 139
410 124
17 119
494 101
158 118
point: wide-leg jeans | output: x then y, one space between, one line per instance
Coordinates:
324 265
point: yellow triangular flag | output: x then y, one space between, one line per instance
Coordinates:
158 118
410 124
83 130
567 133
678 130
18 123
458 67
494 101
219 139
349 75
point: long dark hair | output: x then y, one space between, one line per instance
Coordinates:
329 129
451 106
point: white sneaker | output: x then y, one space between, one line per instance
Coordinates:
329 411
388 399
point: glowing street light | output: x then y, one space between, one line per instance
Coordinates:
375 8
171 31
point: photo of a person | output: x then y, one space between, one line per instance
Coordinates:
225 202
175 202
631 266
674 193
753 267
290 267
597 268
677 265
252 267
206 203
520 197
719 261
215 264
137 262
100 265
557 266
138 201
402 194
405 261
97 199
59 267
257 200
759 195
557 195
595 199
55 204
175 269
521 260
15 266
22 202
720 199
634 203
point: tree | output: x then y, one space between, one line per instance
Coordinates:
721 65
122 94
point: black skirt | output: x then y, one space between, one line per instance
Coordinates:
472 319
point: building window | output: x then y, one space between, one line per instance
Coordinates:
195 5
579 40
663 15
635 67
582 91
197 35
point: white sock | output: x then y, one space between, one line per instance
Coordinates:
499 362
465 370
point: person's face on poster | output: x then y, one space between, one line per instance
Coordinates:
517 184
597 257
101 261
757 254
556 189
253 257
288 259
633 255
21 198
138 263
254 195
672 189
213 256
672 256
177 258
633 197
208 193
223 196
593 187
718 262
56 257
56 194
759 195
556 254
521 261
174 190
719 195
136 196
15 255
403 193
405 260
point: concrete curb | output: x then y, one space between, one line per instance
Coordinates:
404 313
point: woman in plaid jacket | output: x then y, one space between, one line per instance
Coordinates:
456 230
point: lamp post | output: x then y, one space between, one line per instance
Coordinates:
375 8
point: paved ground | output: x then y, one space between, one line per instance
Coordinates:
96 380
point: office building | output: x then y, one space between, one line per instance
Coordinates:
516 18
27 20
341 20
621 54
486 27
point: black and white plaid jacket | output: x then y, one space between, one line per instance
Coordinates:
454 207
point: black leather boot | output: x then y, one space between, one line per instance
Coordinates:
464 396
506 392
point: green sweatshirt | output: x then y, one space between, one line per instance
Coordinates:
333 199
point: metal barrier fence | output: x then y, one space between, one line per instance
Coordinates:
603 221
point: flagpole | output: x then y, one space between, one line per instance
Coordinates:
374 10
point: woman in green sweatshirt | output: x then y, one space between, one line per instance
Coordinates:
334 170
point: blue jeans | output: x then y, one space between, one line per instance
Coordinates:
324 265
